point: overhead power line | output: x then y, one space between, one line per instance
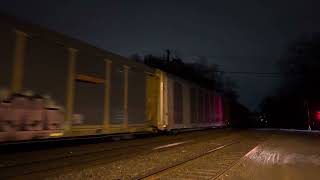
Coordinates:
254 73
257 74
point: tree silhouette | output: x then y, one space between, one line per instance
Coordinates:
287 108
200 72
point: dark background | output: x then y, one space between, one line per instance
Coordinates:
241 36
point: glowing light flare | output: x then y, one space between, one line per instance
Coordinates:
317 116
56 134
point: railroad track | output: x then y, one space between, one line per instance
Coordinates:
164 171
93 158
211 164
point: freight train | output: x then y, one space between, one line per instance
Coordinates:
54 86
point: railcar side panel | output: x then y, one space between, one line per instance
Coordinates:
194 105
226 112
177 103
170 102
211 107
89 90
189 105
88 104
7 37
45 69
207 107
153 100
200 106
218 106
34 106
117 95
137 97
186 105
165 121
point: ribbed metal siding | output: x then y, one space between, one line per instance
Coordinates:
207 105
218 109
46 69
117 95
204 110
186 104
89 97
136 97
177 103
211 107
90 65
88 102
204 115
153 99
200 106
226 111
193 105
169 101
7 38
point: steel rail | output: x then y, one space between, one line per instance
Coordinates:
163 171
116 156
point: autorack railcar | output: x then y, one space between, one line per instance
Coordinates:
55 86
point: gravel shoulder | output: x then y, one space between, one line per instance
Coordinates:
137 166
284 156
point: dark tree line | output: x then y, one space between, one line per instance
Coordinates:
301 86
200 72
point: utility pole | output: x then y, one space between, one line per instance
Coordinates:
168 55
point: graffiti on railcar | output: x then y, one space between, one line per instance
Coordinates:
25 116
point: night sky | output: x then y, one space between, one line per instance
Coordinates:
238 35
